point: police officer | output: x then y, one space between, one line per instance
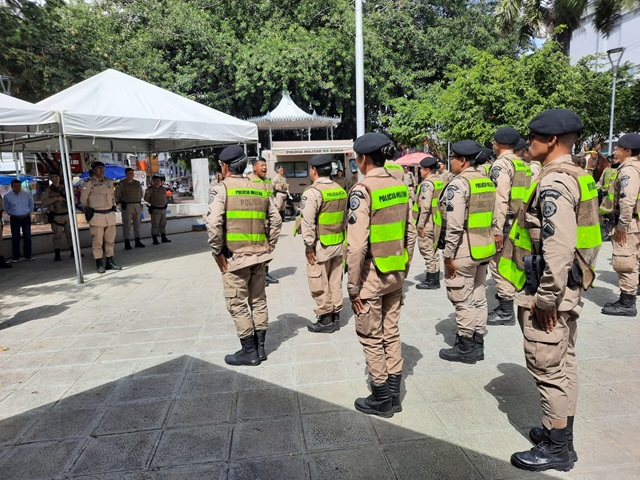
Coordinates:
511 177
281 190
394 169
381 237
625 238
129 194
445 175
56 202
341 180
409 180
156 197
429 222
323 210
259 177
534 166
243 226
96 197
3 263
468 202
559 225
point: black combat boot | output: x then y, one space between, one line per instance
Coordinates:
638 290
100 266
464 350
164 238
4 264
139 244
127 244
111 265
268 278
503 314
247 355
57 257
478 340
155 240
431 281
394 382
617 302
625 307
335 318
378 403
325 324
537 434
259 337
551 452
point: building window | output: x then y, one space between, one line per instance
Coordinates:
295 169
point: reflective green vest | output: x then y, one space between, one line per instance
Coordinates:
245 214
331 219
480 215
521 241
387 230
436 215
521 183
608 176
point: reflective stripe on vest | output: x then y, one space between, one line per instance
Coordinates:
521 183
266 183
480 216
330 221
246 212
436 215
608 176
386 233
393 166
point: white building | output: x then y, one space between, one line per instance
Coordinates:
586 41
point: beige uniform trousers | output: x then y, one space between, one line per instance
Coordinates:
625 262
61 227
246 299
158 222
281 201
431 256
133 213
551 359
102 236
379 335
325 284
467 292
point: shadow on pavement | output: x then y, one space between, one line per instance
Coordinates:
35 313
606 276
283 272
189 419
448 329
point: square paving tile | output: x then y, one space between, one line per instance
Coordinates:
258 404
192 445
212 409
326 397
208 471
281 436
134 417
60 424
416 421
319 372
349 464
337 430
148 388
38 461
289 468
201 384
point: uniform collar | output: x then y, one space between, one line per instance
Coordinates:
378 172
561 159
323 180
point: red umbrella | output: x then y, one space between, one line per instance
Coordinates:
412 158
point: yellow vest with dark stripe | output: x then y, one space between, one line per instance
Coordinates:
245 216
482 198
262 182
524 239
436 215
521 183
387 230
331 216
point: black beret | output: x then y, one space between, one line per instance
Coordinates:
485 155
466 148
97 164
506 136
557 121
257 160
521 145
232 154
441 161
630 141
370 142
428 162
320 160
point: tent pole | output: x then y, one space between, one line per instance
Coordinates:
71 203
270 139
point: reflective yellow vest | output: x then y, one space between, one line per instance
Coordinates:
387 230
521 183
480 214
524 238
331 216
608 176
245 214
395 170
436 215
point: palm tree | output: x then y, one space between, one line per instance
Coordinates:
535 18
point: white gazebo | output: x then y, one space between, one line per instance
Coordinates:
288 116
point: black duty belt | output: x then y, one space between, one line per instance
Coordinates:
103 211
159 208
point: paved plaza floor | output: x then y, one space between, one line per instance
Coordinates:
123 378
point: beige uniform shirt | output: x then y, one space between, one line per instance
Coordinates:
98 194
216 223
409 180
310 206
424 202
54 199
536 170
363 278
129 192
502 173
628 184
557 198
342 181
455 199
395 172
280 183
157 197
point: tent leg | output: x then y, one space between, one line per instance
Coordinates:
71 205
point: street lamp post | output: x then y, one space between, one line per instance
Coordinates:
359 71
615 55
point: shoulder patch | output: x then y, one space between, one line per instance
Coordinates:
450 193
550 193
624 181
549 209
352 218
354 201
357 193
450 207
547 231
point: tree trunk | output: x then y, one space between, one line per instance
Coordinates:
564 39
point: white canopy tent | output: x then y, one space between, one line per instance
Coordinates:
114 112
